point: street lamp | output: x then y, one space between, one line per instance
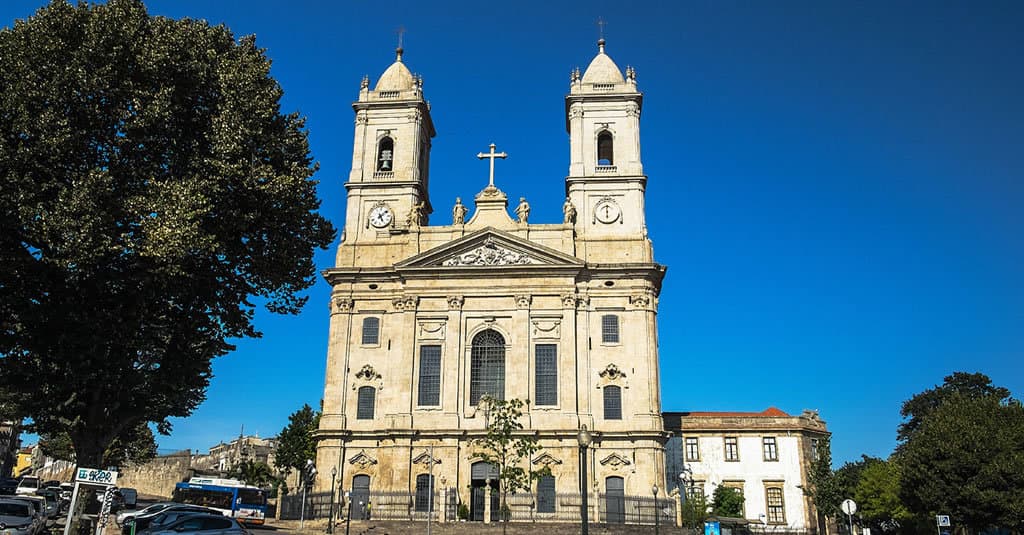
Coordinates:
306 478
330 516
584 438
348 523
654 490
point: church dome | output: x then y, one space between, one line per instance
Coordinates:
602 70
397 77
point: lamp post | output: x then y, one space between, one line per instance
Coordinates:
654 489
330 516
584 438
348 523
306 478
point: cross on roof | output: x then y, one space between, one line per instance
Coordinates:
601 24
401 32
492 155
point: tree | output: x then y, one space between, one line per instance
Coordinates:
257 474
917 408
295 443
877 497
966 459
135 445
152 195
727 501
508 448
823 486
694 510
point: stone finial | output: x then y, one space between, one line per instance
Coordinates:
365 84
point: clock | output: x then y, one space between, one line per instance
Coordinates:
380 216
607 211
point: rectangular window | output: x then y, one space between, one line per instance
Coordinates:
776 507
546 494
771 451
430 376
692 449
365 402
547 374
425 491
610 329
371 331
732 449
814 449
612 403
695 490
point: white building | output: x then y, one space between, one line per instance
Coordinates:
765 455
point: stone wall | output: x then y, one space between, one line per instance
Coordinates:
157 477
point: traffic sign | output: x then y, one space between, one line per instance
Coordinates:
849 506
96 476
942 521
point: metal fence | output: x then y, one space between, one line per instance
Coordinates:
621 509
400 505
317 505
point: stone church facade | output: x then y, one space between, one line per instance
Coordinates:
428 318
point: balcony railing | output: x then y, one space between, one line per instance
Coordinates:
605 169
384 175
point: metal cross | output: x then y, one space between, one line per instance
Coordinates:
400 31
601 24
492 155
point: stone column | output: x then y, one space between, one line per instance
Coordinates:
487 502
678 496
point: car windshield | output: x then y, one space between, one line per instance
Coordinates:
15 509
29 482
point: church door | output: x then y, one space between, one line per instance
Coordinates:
615 500
360 497
481 472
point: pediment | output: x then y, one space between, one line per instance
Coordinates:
488 248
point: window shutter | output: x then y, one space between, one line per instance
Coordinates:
371 331
430 376
364 407
612 403
610 329
547 374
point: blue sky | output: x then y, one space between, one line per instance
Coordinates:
836 187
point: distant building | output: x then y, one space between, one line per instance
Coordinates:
225 456
765 455
24 460
10 432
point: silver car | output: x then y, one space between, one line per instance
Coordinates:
205 524
19 518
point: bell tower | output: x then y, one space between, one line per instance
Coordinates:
388 184
606 181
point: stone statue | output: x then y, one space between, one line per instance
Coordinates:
459 212
569 209
523 210
415 214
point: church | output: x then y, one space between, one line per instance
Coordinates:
426 319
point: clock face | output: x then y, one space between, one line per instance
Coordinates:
606 211
380 216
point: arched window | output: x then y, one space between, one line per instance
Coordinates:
371 331
612 403
487 366
385 154
546 494
424 493
365 403
605 149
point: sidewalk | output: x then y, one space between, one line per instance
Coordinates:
402 527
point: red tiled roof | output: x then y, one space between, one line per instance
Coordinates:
769 412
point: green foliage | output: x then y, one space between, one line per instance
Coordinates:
135 445
970 385
257 474
823 487
694 510
966 459
463 512
877 496
295 443
152 195
727 501
506 446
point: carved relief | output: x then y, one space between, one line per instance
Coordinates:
615 461
367 373
545 459
569 300
641 300
612 372
489 254
362 460
582 302
575 112
432 330
632 110
425 459
523 301
342 304
544 328
361 118
405 303
455 302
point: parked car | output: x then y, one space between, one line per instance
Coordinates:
28 485
152 509
8 486
38 505
142 522
125 498
18 518
52 498
209 524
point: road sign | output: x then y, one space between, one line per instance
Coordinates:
849 506
712 528
942 521
95 476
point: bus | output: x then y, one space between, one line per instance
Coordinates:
231 497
